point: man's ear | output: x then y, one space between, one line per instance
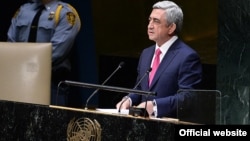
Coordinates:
172 28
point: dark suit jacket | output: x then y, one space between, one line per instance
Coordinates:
179 69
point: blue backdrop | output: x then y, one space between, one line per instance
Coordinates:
84 55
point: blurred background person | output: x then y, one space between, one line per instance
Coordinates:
51 21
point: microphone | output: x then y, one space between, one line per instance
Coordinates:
137 84
119 66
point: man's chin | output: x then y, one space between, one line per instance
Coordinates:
150 38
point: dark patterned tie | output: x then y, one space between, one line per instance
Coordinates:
33 28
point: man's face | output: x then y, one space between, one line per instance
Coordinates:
158 30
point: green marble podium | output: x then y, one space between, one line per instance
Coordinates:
26 121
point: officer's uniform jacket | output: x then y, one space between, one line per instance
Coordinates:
59 24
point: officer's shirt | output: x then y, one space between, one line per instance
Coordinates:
61 33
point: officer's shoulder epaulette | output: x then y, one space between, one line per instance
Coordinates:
72 11
57 13
16 13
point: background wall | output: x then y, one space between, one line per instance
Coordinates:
121 27
233 73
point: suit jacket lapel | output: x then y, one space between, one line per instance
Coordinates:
169 56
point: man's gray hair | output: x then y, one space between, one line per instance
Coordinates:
173 12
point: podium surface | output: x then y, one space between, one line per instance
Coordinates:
25 121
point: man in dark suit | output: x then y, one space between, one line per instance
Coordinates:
179 68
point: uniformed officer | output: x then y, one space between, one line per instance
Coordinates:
59 23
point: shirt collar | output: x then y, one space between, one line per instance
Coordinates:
164 48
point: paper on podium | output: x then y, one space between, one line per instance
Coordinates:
114 111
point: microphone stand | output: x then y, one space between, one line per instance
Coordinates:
120 66
57 92
139 82
58 89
